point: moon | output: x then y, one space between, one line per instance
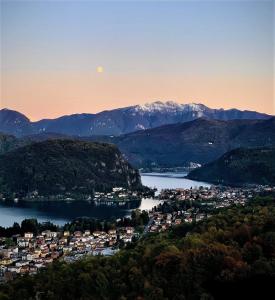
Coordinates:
99 69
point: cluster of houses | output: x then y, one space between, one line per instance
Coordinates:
30 253
213 197
160 221
118 196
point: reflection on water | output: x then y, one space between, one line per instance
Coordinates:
60 212
148 204
57 212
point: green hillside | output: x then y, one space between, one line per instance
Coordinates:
240 166
64 167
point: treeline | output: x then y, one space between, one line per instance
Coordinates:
27 225
228 256
175 205
137 218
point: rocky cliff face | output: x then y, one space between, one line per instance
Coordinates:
65 167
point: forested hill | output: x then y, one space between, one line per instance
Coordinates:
240 166
228 256
199 141
65 167
7 143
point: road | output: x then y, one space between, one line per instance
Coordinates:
147 227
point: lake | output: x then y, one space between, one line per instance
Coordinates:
60 212
170 180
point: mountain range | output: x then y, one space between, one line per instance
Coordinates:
119 121
175 145
198 141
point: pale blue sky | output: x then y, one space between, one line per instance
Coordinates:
172 39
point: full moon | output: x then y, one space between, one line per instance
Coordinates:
99 69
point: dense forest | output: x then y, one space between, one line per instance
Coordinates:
64 167
240 166
228 256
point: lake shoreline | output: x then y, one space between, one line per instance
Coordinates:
60 212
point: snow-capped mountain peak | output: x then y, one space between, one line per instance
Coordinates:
195 107
169 106
120 121
154 106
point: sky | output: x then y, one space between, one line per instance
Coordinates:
64 57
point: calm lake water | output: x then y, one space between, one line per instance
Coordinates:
61 212
170 181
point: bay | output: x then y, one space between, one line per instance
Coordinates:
60 212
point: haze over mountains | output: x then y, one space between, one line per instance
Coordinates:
119 121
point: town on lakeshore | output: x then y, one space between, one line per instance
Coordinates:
28 252
119 197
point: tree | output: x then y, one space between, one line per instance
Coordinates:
29 225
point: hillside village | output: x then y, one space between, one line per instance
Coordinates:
203 201
29 253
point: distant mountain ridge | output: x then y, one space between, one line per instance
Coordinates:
175 145
15 123
119 121
198 141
